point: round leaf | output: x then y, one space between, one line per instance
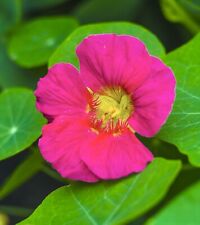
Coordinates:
20 123
12 75
35 41
66 51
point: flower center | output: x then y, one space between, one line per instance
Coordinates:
112 107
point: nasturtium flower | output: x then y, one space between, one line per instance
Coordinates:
94 113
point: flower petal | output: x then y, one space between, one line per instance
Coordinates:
61 92
61 144
116 60
111 157
153 100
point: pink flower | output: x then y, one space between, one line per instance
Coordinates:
94 113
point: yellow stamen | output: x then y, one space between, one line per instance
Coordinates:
131 129
113 107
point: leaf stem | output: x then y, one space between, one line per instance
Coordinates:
53 174
15 211
188 167
176 13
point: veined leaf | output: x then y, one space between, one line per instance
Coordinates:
106 203
183 126
20 123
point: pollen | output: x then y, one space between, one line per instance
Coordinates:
111 109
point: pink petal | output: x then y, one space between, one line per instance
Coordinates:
61 92
109 59
111 157
153 100
61 144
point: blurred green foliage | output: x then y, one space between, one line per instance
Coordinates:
183 11
107 10
10 14
28 168
33 43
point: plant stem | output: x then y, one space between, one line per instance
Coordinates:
53 174
188 167
15 211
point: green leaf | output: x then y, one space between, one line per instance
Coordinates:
107 203
20 123
66 51
186 54
13 75
183 126
163 149
184 12
192 7
100 10
22 173
10 14
33 43
182 210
